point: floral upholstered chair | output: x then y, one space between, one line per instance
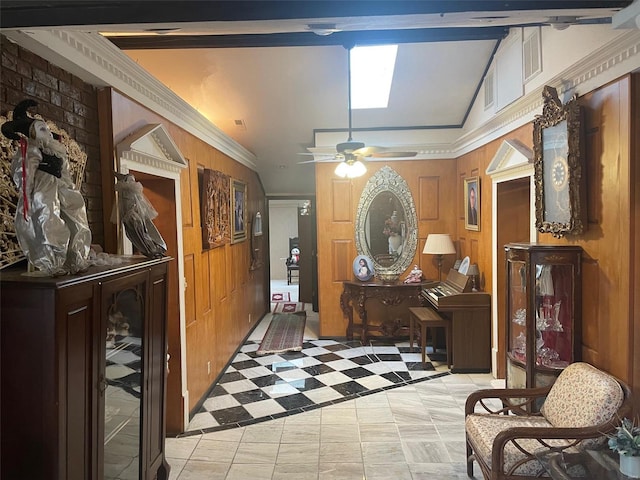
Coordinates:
581 406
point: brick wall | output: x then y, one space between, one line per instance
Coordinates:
65 100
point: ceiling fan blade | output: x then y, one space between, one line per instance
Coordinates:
394 154
328 158
367 151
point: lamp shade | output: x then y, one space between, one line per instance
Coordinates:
439 244
473 270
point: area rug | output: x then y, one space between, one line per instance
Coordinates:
281 297
288 307
285 334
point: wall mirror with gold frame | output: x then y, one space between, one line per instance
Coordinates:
386 222
558 167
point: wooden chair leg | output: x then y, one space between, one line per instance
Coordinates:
469 461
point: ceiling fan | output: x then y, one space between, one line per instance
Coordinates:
352 151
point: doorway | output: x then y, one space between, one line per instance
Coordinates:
513 225
292 223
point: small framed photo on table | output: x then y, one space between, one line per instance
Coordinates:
363 268
472 203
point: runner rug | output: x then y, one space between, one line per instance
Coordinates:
288 307
285 333
281 297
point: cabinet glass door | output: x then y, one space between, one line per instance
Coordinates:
517 311
553 315
123 392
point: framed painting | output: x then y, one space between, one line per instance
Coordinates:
238 206
559 172
472 203
214 209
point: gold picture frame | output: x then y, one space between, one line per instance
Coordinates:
472 203
559 171
239 209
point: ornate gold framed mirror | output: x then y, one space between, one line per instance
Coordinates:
386 223
558 167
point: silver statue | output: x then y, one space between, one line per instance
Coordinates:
51 218
136 214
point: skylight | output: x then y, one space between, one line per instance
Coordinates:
371 75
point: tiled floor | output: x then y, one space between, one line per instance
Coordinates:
411 431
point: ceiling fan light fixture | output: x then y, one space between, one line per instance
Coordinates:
350 169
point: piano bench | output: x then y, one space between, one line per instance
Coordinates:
429 318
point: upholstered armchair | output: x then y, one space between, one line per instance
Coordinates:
580 408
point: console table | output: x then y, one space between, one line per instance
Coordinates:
356 294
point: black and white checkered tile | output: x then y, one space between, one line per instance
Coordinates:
257 388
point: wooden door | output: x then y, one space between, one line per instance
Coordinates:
308 289
513 225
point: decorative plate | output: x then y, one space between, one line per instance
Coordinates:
464 266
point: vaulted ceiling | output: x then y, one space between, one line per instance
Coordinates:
273 74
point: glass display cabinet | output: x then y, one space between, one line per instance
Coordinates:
544 307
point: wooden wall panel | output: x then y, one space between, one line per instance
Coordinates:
204 290
190 290
590 302
634 175
187 202
217 310
218 276
337 202
341 190
608 242
428 198
342 260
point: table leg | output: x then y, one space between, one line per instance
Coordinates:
412 324
423 340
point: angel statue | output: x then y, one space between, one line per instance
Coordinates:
51 218
136 213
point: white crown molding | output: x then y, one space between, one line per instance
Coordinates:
99 62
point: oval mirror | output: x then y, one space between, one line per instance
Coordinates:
386 223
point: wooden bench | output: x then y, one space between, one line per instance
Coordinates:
429 318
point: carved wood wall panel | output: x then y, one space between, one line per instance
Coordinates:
214 208
428 198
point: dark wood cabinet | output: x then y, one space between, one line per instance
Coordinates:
544 305
83 373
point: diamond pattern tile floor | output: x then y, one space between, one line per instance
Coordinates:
259 388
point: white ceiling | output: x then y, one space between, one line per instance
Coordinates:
283 94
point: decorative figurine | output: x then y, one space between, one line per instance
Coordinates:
415 275
51 218
136 213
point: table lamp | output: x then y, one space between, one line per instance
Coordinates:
473 272
439 244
